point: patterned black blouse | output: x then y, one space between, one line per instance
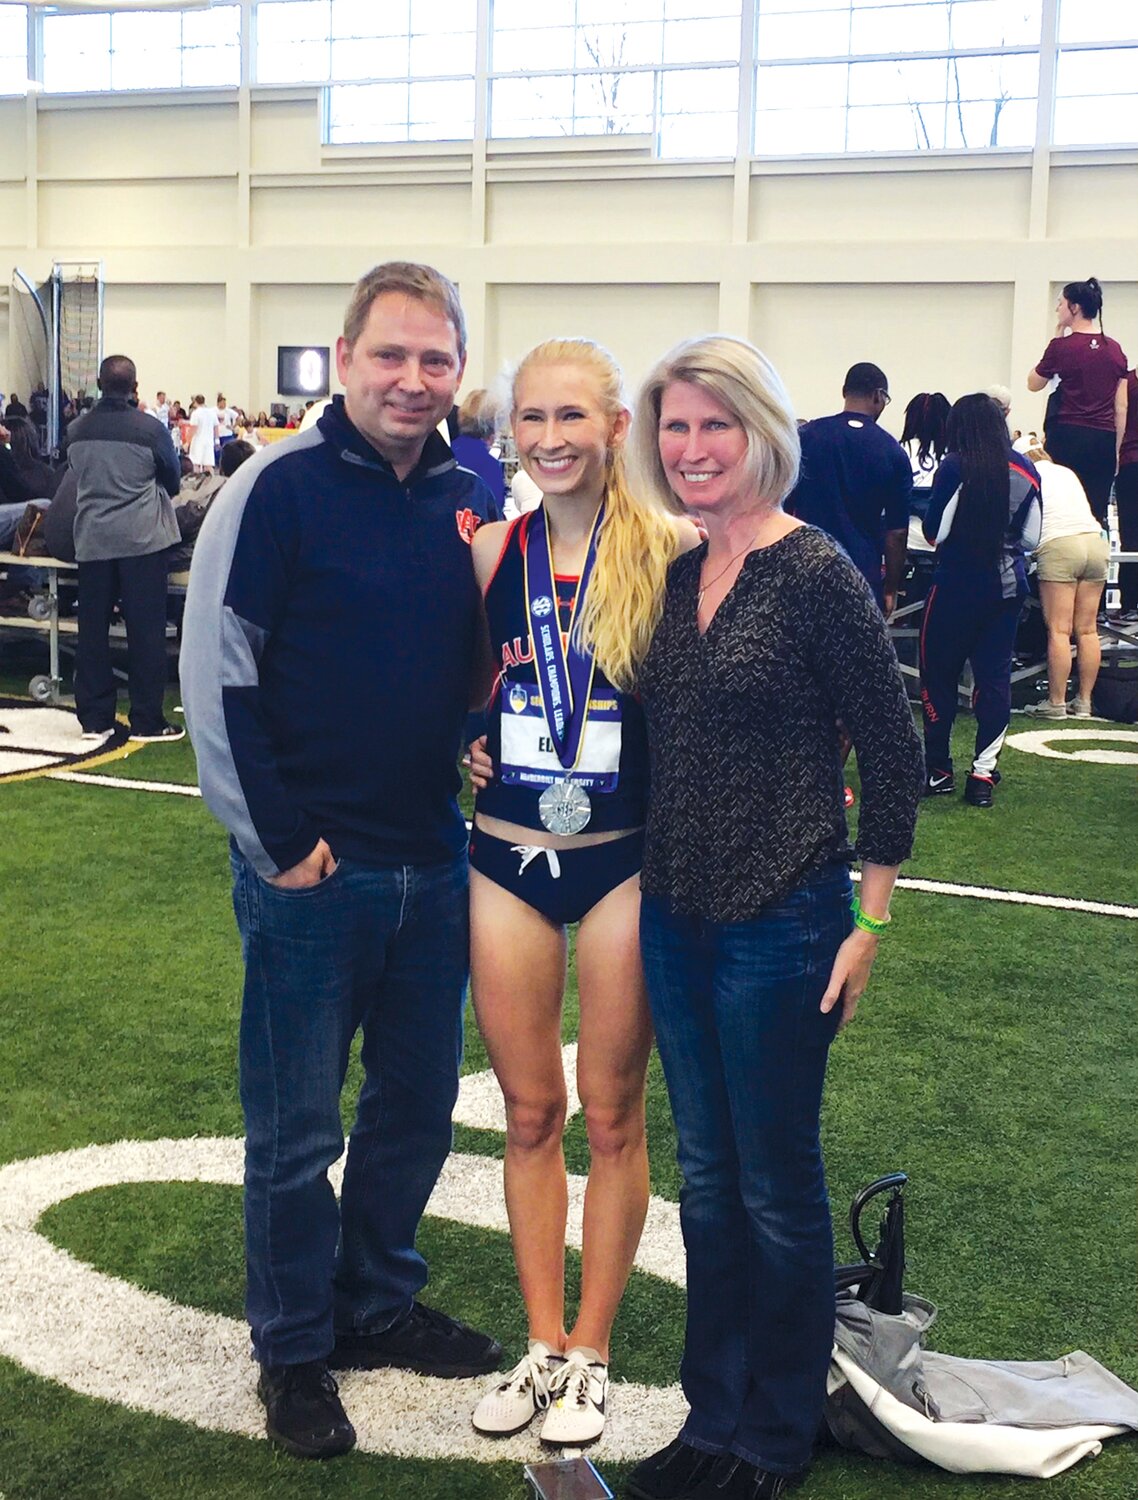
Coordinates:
746 777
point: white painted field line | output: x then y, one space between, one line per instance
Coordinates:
931 887
123 781
1015 898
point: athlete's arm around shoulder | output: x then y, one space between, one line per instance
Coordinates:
687 536
486 550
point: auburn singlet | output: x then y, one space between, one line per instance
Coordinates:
613 764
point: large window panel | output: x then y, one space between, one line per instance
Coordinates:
518 49
374 111
637 66
13 49
992 100
899 98
211 66
142 50
1098 21
1096 97
366 18
371 57
441 111
400 70
829 28
698 112
452 53
709 40
76 53
391 112
1096 88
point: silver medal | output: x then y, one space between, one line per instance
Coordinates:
564 807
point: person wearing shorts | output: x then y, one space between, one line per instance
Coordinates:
557 839
1071 561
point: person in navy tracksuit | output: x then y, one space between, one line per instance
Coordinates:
983 515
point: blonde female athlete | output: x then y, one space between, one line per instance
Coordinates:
573 591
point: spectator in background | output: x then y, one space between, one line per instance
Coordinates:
1086 434
1126 498
524 495
127 472
59 519
33 468
983 514
1071 560
204 422
856 483
195 506
1002 396
15 492
15 407
474 447
227 421
313 412
926 427
161 409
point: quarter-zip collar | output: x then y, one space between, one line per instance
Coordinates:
339 430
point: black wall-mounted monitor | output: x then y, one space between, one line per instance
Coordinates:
302 369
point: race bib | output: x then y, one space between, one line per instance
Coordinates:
528 756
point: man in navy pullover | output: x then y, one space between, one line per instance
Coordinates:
328 652
856 483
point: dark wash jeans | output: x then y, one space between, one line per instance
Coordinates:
384 949
744 1048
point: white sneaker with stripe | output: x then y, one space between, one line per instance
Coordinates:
578 1391
512 1403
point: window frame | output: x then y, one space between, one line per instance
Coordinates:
1048 49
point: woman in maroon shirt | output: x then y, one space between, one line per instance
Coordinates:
1091 368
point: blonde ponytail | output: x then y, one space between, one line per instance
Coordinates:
626 594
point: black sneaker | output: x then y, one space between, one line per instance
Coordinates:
303 1414
939 783
671 1474
978 791
424 1340
166 735
735 1479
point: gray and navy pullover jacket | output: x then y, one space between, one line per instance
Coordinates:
954 558
127 470
328 646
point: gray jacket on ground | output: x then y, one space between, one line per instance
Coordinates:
127 470
891 1397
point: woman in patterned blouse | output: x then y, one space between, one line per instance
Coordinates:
753 955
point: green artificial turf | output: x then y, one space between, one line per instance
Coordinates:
993 1060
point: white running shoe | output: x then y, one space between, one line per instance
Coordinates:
512 1403
578 1391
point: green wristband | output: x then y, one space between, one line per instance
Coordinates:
876 925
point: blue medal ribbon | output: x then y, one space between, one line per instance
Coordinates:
564 674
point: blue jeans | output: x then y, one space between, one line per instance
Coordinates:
381 949
11 512
744 1048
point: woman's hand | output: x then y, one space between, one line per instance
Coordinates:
480 764
850 974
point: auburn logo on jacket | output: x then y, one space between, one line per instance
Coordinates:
468 523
